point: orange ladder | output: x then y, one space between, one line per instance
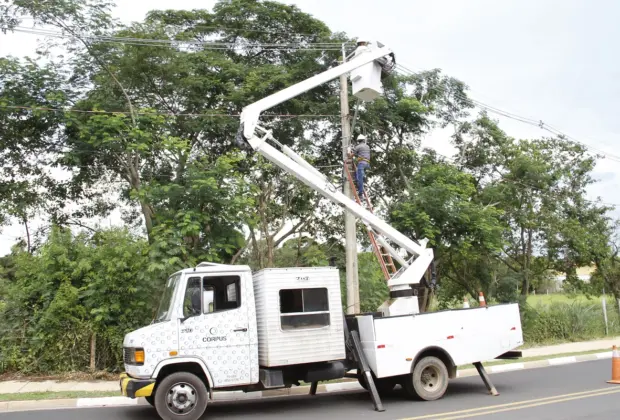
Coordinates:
385 259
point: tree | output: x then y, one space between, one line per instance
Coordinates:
608 264
202 88
539 185
443 205
27 137
302 251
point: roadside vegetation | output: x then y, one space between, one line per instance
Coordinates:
60 395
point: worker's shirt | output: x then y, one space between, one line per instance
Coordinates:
362 151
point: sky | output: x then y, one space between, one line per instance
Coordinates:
553 60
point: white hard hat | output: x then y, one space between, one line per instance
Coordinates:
361 137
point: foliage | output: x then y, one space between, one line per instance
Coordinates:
443 205
539 187
27 137
558 322
301 252
74 287
373 288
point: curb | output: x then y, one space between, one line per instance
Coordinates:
508 367
351 385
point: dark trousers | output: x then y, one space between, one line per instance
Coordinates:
359 176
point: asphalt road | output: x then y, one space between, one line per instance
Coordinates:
575 391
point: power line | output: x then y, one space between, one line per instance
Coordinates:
245 29
454 162
526 120
225 28
216 45
165 114
306 46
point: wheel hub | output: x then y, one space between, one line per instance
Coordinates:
430 378
181 398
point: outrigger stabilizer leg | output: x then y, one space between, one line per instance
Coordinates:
359 354
313 388
352 340
485 378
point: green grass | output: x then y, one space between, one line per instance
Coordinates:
545 299
33 396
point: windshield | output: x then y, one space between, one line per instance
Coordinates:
163 313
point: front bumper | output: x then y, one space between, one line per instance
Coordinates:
135 388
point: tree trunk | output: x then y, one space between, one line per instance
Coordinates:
93 352
28 243
255 249
147 210
524 282
180 171
527 256
298 257
270 251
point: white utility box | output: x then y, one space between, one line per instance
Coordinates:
366 80
298 315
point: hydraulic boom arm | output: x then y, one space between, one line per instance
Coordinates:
252 134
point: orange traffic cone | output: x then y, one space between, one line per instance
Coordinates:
615 366
481 299
465 302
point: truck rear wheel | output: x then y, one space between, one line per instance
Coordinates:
428 381
181 395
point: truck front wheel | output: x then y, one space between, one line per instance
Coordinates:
428 381
181 395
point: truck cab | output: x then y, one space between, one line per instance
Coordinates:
223 327
206 317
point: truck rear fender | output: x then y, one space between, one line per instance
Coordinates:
183 364
439 353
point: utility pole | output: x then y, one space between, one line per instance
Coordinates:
353 301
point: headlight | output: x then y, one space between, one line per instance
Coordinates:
133 356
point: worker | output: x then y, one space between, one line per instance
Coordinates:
362 155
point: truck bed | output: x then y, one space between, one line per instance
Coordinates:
391 344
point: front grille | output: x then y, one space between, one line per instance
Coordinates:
127 355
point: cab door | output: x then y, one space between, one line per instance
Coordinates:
215 326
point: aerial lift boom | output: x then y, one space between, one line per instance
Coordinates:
365 68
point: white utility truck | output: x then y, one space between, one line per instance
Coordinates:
224 328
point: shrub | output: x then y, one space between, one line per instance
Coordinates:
73 291
573 320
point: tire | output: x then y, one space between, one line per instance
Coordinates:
181 395
384 385
150 400
428 381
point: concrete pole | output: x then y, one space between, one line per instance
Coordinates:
353 301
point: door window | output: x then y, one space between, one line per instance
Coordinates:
221 293
192 301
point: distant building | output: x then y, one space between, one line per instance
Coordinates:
584 274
